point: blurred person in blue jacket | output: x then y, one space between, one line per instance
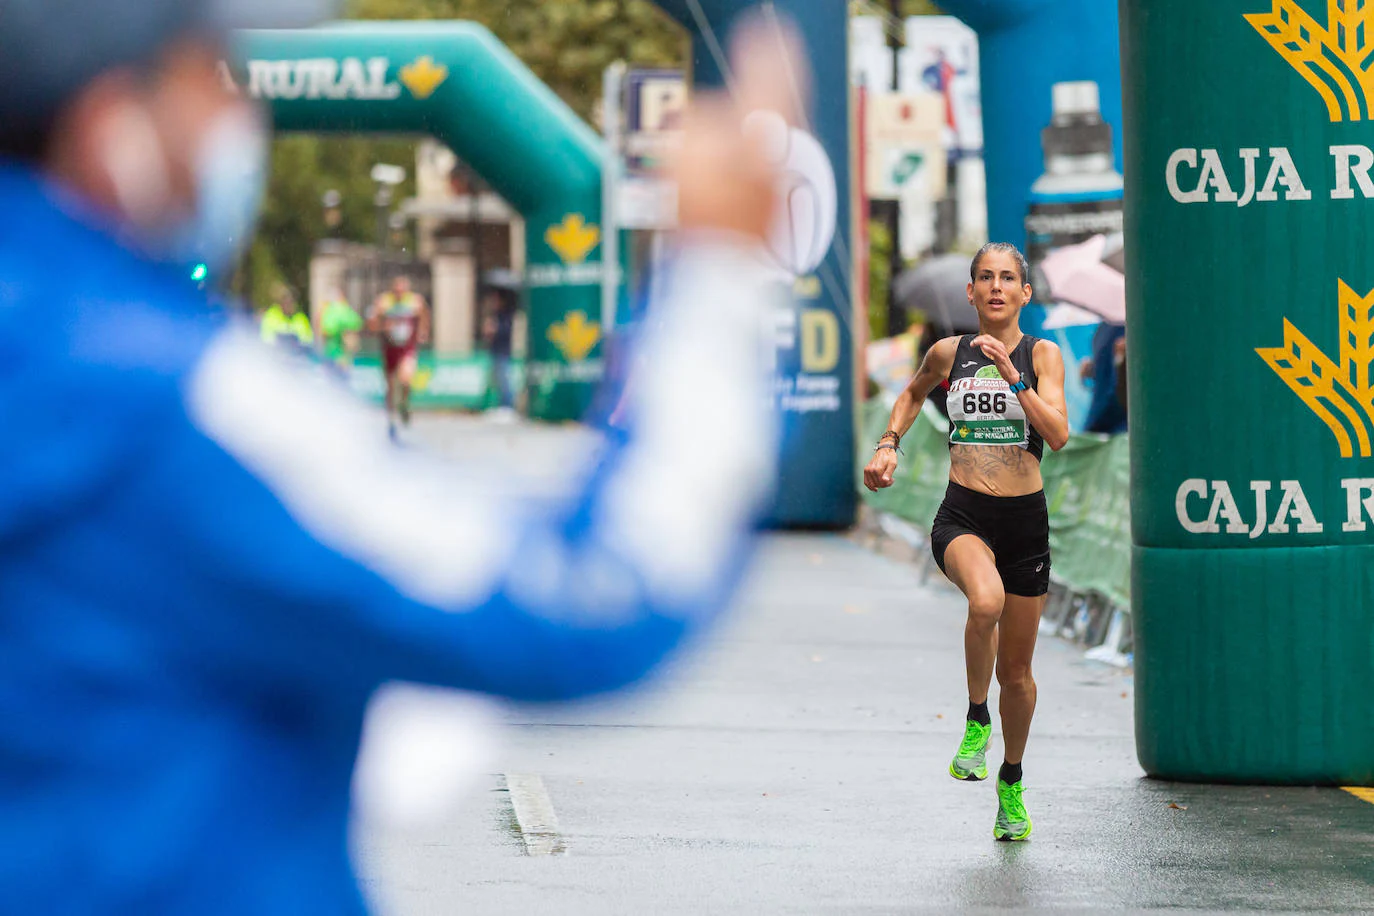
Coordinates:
501 303
1104 370
199 589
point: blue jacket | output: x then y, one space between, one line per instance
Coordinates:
211 558
1105 413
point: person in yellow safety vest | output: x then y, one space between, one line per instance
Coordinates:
284 318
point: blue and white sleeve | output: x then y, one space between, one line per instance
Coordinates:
344 558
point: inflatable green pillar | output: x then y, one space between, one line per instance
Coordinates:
1251 386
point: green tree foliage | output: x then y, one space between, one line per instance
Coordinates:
567 43
879 277
304 167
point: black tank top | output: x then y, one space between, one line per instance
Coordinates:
982 409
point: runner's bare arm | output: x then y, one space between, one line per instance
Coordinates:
1044 404
423 329
934 369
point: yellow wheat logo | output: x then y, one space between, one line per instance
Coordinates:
572 240
575 336
423 76
1334 392
1335 60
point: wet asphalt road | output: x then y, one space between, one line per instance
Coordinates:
795 762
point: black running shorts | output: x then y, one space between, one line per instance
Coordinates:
1015 528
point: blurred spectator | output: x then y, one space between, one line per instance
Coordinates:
1119 359
284 319
1107 410
339 331
213 559
500 304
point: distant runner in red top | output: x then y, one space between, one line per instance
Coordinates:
401 317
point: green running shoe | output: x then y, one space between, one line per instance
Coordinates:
1013 823
970 761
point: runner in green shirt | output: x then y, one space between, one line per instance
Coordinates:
339 328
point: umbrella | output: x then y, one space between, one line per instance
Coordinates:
938 287
1079 275
1114 254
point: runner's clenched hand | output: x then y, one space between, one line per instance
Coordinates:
881 469
996 351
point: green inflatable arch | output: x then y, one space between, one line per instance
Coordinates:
457 82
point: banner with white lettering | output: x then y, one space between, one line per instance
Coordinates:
1250 291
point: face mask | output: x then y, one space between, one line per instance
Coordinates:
230 178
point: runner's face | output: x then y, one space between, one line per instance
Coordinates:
998 291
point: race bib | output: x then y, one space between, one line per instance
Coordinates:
983 411
399 333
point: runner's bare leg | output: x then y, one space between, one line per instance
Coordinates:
971 567
1019 627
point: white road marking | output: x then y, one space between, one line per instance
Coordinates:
534 815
